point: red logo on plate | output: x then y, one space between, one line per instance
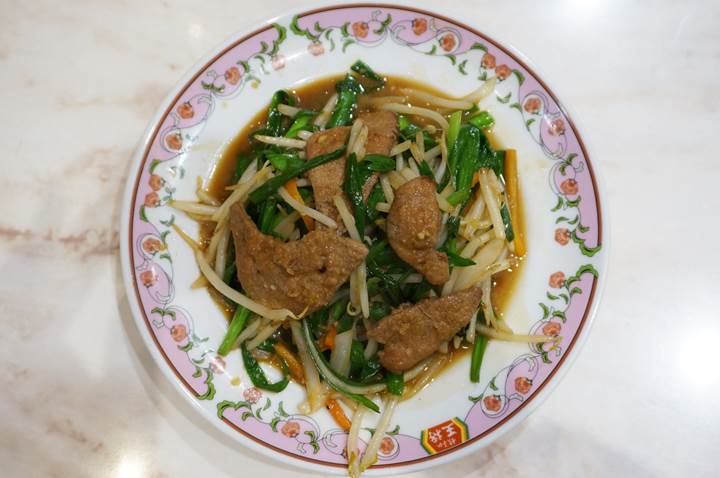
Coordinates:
444 436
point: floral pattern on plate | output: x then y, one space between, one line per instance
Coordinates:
346 32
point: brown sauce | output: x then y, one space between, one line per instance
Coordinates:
313 96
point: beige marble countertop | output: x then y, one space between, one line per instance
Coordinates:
82 397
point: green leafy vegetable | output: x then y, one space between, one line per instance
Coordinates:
388 284
283 161
376 195
418 291
237 324
409 131
357 357
244 160
499 161
482 120
383 255
425 170
455 150
301 122
345 323
378 163
457 260
491 159
395 383
370 369
453 226
453 130
509 234
348 90
257 375
373 285
353 188
274 125
267 215
379 310
471 151
317 322
449 245
384 265
477 356
272 185
305 193
357 174
336 381
459 196
338 309
463 161
230 265
362 69
267 346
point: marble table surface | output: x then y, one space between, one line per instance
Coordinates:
80 395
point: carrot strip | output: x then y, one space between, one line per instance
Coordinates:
293 363
511 178
338 414
475 178
291 187
329 339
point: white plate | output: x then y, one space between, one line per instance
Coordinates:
565 229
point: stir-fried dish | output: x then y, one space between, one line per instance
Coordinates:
357 241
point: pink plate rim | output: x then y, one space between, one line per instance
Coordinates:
509 422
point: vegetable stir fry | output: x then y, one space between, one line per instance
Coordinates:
358 243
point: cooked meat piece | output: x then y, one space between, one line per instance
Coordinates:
413 226
382 131
412 333
327 179
295 275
